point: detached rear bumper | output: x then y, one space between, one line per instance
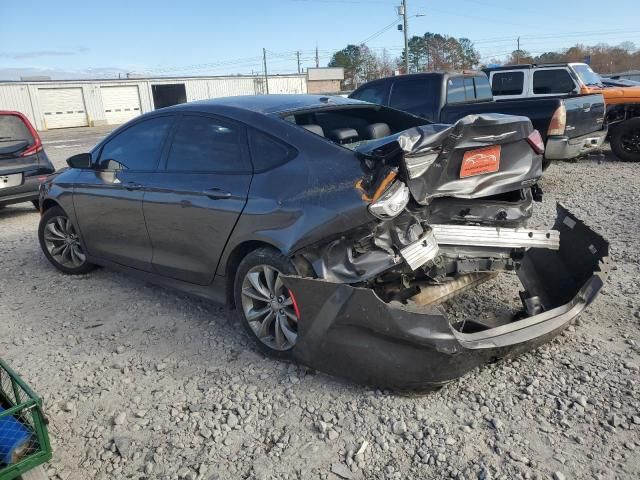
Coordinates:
565 148
349 332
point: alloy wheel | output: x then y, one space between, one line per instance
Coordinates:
62 242
269 308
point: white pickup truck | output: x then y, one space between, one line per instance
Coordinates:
567 79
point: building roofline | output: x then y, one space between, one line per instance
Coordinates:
152 79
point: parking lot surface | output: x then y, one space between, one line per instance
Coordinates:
142 382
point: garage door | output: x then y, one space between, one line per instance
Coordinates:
120 103
63 107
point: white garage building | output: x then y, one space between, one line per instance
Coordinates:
76 103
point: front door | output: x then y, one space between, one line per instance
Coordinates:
192 206
108 198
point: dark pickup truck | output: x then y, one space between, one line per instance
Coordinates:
570 126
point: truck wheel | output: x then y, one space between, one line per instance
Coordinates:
625 140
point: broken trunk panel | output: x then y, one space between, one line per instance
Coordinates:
351 332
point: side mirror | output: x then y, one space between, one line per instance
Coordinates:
81 160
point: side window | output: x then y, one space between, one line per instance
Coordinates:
507 83
552 81
267 152
416 95
373 94
455 90
138 147
206 144
483 89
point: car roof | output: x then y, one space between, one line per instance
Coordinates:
267 104
528 66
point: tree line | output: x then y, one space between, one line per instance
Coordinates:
434 51
602 57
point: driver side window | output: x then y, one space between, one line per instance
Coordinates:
137 148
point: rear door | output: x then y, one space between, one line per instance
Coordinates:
191 206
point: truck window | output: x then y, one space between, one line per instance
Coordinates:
416 95
483 89
455 90
507 83
374 94
552 81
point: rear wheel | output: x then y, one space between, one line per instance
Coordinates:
61 243
266 307
625 140
36 203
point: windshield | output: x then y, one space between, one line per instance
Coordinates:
588 76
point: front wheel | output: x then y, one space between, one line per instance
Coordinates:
61 243
625 140
267 309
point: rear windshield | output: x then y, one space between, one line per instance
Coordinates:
12 129
348 125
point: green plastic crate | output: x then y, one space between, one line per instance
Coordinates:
22 404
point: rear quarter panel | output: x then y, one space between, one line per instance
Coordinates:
311 198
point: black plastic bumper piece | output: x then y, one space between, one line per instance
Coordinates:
350 332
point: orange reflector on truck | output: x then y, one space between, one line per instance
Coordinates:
479 161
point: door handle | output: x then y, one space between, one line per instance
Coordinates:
217 194
132 186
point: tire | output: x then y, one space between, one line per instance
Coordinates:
36 203
625 140
546 164
274 323
61 244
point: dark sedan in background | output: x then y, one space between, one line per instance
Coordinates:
23 161
336 227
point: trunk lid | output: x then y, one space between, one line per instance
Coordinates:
478 156
585 114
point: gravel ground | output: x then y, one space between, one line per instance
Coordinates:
142 382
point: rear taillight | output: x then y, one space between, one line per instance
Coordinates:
558 121
35 148
536 142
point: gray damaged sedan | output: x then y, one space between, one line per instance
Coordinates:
338 229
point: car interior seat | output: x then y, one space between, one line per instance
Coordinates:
317 129
375 130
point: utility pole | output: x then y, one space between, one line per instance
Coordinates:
266 77
518 52
403 12
298 55
317 58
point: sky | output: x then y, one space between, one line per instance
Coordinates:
101 38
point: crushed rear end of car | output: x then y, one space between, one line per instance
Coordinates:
450 207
